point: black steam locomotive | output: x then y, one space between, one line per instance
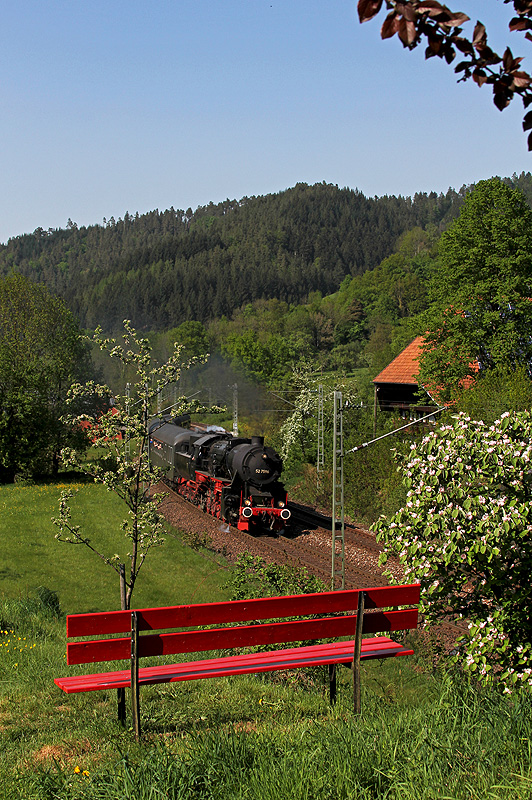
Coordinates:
231 478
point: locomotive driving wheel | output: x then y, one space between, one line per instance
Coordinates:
210 502
231 510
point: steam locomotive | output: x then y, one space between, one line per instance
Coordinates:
234 479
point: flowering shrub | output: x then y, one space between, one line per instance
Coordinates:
294 432
298 432
465 535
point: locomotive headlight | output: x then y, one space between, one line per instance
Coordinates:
247 502
280 504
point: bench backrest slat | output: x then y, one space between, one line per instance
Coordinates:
241 636
112 622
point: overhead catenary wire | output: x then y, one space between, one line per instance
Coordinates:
396 430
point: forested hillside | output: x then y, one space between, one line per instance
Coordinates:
312 284
162 268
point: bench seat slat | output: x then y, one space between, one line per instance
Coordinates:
375 644
312 655
239 636
113 622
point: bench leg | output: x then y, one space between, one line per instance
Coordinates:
121 693
356 653
121 706
135 700
332 683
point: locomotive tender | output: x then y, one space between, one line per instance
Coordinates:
234 479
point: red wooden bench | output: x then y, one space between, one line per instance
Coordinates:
340 620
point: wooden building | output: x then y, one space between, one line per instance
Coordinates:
397 388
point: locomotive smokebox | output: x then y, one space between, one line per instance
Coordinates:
255 463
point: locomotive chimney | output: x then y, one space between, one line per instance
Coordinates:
258 440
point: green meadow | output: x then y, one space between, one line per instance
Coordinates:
32 557
423 734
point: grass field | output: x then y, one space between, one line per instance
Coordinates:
31 556
421 735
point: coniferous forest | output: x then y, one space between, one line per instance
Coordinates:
164 267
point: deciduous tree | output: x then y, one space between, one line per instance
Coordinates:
417 21
41 353
481 311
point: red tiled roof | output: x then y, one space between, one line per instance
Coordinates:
405 367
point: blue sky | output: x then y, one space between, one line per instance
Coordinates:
119 106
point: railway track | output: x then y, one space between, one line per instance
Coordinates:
308 546
354 534
317 560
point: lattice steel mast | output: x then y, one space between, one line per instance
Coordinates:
235 409
320 460
338 537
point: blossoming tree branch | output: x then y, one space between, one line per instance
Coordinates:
415 21
126 471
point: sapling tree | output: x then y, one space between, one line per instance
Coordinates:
120 433
466 534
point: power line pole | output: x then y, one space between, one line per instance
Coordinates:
320 460
235 409
338 492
